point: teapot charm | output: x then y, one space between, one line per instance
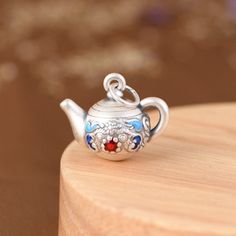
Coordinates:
114 128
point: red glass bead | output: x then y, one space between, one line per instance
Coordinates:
111 146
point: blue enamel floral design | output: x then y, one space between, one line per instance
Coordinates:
137 140
89 140
90 128
137 124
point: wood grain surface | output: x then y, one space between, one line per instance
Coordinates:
182 183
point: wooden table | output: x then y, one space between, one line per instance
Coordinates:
183 183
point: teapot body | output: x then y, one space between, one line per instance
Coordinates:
112 128
116 127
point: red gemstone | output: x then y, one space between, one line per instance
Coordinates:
111 146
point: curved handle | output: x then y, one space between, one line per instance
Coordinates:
163 110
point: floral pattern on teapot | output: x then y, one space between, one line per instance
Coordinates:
113 136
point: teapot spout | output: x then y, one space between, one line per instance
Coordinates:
76 116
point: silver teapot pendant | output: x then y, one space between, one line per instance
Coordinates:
115 128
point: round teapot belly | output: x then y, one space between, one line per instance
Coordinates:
117 138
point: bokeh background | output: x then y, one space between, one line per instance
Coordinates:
181 50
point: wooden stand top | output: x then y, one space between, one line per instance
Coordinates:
182 183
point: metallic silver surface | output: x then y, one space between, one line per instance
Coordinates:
118 78
116 97
163 110
115 128
76 116
108 108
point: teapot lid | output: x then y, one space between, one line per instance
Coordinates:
108 108
114 105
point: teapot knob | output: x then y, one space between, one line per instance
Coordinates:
163 110
115 85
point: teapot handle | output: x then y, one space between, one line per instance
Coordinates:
163 110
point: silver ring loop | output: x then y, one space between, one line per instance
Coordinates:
116 97
114 77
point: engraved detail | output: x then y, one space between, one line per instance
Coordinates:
116 135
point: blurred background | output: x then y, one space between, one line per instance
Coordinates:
181 50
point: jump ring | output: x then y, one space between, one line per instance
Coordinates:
116 97
114 77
